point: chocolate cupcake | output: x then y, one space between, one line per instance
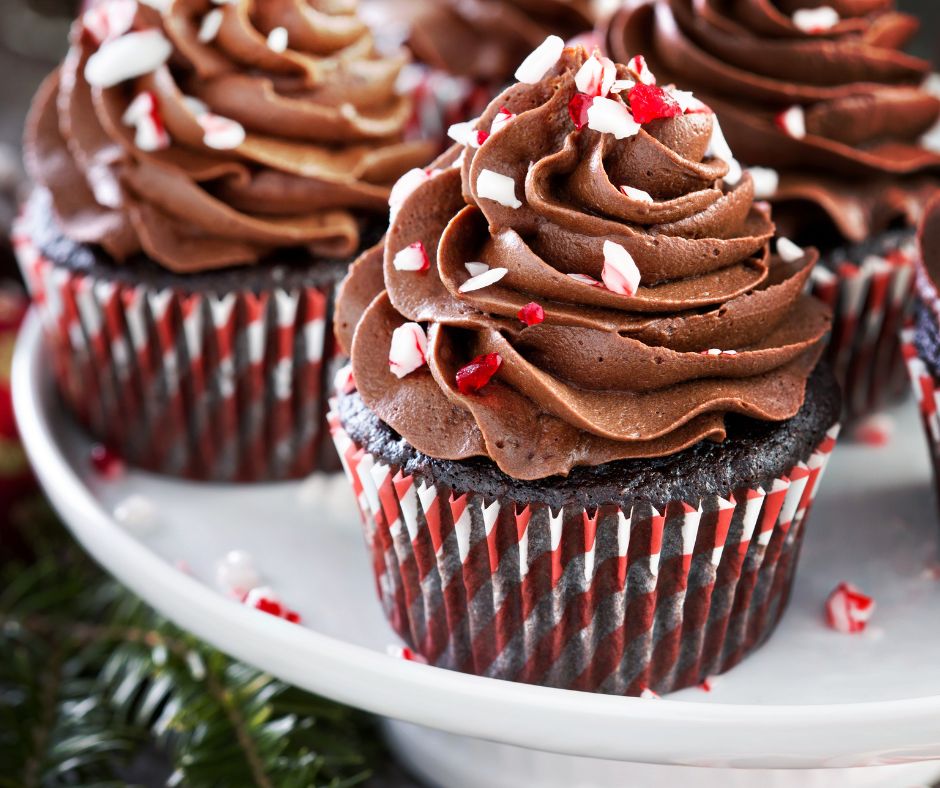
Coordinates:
832 111
204 176
466 51
586 420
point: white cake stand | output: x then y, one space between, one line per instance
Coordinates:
812 699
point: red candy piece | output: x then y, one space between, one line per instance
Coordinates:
482 136
532 314
479 372
578 109
848 609
649 102
106 462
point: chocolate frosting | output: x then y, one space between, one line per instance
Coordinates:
322 136
861 167
606 376
484 40
929 238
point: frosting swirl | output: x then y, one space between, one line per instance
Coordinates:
717 324
484 40
212 135
850 144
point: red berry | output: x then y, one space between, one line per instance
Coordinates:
479 372
106 462
649 102
532 314
578 109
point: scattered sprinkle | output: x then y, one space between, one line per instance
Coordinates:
649 102
405 653
236 573
875 430
620 274
136 513
412 258
210 25
409 349
766 182
637 194
532 314
816 20
788 251
106 462
502 118
792 122
707 685
475 375
848 610
718 352
144 115
132 55
539 61
265 600
650 694
489 277
499 188
612 117
277 40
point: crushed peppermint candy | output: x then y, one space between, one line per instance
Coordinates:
236 573
277 40
816 20
788 251
532 314
107 21
766 182
475 375
620 273
502 118
412 258
540 60
639 68
717 352
408 351
620 85
489 277
792 122
578 109
144 115
106 463
404 188
596 76
649 102
499 188
265 600
650 694
220 133
612 117
848 610
136 513
687 101
584 279
343 380
467 134
718 147
875 430
475 269
406 653
129 56
637 194
210 26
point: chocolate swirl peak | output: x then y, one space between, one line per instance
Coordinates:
214 134
825 96
534 242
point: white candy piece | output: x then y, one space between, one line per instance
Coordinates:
637 194
210 25
501 119
489 277
540 60
461 132
649 694
596 76
719 148
793 121
221 133
127 57
475 269
612 117
686 99
107 21
639 67
136 513
409 349
788 251
260 594
584 279
277 40
236 572
735 173
499 188
411 258
141 113
620 274
343 380
620 85
816 20
404 188
766 181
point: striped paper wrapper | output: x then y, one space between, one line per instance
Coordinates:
208 387
926 392
870 301
612 600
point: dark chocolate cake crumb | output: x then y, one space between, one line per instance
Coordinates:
927 338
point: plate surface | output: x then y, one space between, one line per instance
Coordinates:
810 698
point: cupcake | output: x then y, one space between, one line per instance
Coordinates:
586 419
832 112
466 51
921 338
203 177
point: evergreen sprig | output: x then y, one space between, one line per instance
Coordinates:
89 675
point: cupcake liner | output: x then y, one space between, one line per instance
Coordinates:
608 600
927 393
204 386
870 302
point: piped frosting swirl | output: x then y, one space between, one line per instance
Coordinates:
209 135
717 324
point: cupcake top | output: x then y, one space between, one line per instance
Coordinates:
823 96
586 278
481 39
206 134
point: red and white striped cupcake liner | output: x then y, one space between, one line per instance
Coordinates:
609 600
203 386
870 301
926 389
